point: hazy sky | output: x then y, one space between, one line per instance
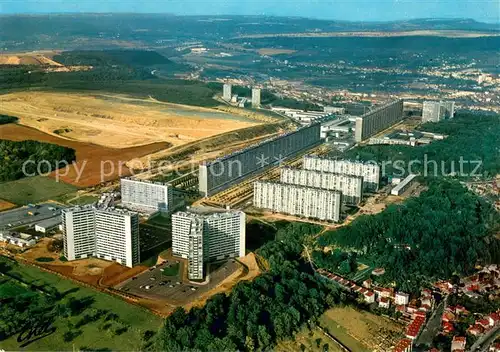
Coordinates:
354 10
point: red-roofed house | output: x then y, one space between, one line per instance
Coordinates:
475 330
367 283
458 343
495 347
384 302
404 345
448 327
485 323
369 297
494 319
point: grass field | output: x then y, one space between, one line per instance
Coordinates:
93 336
360 330
33 190
159 220
309 339
172 270
84 200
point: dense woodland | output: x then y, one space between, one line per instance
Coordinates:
446 230
258 313
5 119
472 137
14 155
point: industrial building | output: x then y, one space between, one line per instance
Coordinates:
350 186
226 92
48 225
308 202
378 120
18 239
403 185
221 173
110 234
203 235
146 196
334 110
255 98
369 171
435 111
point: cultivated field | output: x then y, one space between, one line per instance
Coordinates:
91 159
271 51
117 121
4 205
33 190
360 330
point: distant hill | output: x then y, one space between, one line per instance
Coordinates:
112 57
113 31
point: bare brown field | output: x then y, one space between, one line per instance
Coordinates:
96 272
34 58
115 121
427 33
90 158
271 51
4 205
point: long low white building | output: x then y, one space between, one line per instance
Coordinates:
403 185
350 186
369 171
309 202
146 196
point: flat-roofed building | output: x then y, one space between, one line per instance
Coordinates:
369 171
255 97
350 186
47 225
146 196
378 120
203 235
226 92
435 111
308 202
110 234
403 185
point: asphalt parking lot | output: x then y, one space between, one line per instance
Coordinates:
154 284
20 217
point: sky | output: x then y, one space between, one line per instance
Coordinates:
349 10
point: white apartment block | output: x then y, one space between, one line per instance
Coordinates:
255 97
146 196
296 200
369 171
351 187
79 232
109 234
117 236
226 91
203 235
435 111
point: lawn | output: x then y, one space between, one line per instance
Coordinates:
160 220
84 200
8 288
33 190
310 340
94 334
173 270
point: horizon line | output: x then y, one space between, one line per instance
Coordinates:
6 14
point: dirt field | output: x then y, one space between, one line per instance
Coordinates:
34 58
4 205
91 158
357 329
117 121
96 272
271 51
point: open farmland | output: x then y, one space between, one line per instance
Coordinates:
117 121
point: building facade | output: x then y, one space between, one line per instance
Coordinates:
221 173
227 92
109 234
350 186
296 200
203 235
435 111
369 171
378 120
146 196
255 97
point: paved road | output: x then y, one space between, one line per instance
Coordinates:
483 343
433 325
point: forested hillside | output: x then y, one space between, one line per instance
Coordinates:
255 314
446 230
20 159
